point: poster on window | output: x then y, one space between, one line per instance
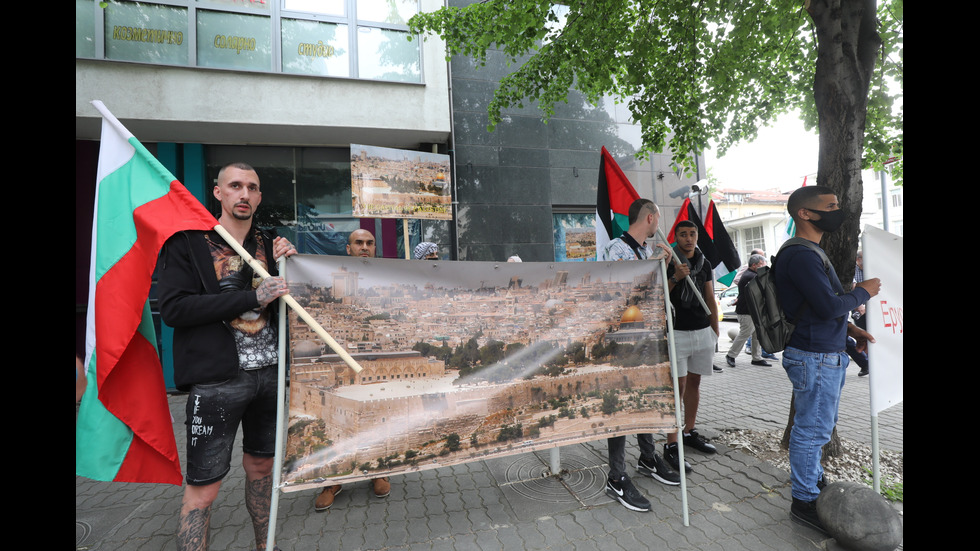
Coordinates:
465 361
574 237
398 183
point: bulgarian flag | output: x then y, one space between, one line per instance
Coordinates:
713 240
124 431
614 196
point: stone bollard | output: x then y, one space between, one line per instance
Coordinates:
858 518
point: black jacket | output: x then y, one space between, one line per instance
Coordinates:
190 302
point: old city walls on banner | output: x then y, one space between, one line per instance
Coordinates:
465 361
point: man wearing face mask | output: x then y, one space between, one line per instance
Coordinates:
815 359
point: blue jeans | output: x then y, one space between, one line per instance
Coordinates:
817 378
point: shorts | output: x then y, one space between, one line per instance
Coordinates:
213 413
695 351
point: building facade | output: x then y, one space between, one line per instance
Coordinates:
288 85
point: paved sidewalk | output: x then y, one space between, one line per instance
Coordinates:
735 502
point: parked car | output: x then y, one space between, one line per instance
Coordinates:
726 303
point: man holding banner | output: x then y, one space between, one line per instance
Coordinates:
361 243
225 353
813 298
644 217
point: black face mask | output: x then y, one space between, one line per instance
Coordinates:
830 220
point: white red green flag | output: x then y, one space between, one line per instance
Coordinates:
614 196
124 431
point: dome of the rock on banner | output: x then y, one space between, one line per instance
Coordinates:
631 315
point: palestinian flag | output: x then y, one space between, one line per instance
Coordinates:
713 240
124 431
614 196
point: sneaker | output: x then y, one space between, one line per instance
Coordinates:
672 457
863 372
623 491
698 442
326 497
658 469
381 487
805 513
729 360
717 369
769 355
761 363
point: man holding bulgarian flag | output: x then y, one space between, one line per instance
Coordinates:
225 346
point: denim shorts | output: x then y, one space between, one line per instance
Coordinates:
213 413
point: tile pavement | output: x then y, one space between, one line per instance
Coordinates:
735 501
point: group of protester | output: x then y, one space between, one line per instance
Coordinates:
226 354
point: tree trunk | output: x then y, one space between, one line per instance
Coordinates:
834 448
847 46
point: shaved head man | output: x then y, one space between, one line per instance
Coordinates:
361 243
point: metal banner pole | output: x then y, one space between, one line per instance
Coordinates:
677 398
280 416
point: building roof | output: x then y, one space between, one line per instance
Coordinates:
750 196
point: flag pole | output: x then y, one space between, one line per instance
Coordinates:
289 300
677 260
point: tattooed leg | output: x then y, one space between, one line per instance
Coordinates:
192 532
195 517
258 495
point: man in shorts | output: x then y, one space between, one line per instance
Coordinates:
225 353
695 335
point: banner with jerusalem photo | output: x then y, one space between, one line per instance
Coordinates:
466 361
399 183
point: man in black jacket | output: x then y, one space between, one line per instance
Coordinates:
225 353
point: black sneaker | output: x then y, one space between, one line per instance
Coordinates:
698 442
673 458
805 513
864 372
729 360
623 491
658 469
717 369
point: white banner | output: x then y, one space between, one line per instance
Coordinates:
884 259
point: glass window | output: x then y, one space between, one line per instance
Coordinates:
387 55
394 12
316 37
84 29
233 41
314 48
256 5
322 7
146 32
754 239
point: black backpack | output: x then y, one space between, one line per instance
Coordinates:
772 327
